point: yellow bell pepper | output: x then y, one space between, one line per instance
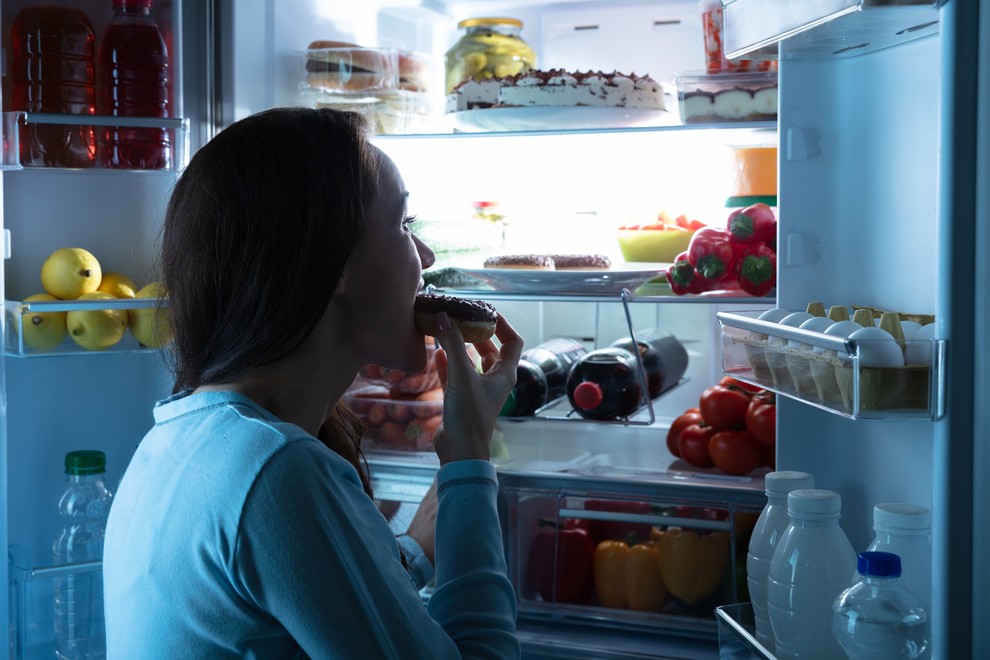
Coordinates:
692 565
628 577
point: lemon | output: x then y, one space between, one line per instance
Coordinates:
70 272
117 285
43 330
96 329
150 325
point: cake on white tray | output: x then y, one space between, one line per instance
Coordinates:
561 88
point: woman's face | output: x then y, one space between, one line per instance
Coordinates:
382 278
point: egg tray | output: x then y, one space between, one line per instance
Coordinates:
804 374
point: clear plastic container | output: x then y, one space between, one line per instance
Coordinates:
766 535
726 97
80 632
487 48
905 530
810 567
52 71
877 617
133 77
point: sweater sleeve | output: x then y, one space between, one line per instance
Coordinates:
314 554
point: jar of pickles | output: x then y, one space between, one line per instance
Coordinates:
488 48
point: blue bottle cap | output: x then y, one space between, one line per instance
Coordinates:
879 564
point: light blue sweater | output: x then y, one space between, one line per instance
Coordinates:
236 535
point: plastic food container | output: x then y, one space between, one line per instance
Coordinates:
727 97
391 88
653 245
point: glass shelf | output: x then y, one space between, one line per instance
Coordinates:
736 633
16 311
14 123
717 127
828 372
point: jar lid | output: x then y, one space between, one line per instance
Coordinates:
901 518
85 461
813 504
495 20
879 564
784 481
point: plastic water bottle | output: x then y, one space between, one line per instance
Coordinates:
766 534
79 623
877 617
133 82
905 530
52 70
810 567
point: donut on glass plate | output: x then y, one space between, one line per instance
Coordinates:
581 261
475 318
524 261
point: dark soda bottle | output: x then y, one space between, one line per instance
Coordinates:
664 358
555 358
529 392
52 70
133 82
605 384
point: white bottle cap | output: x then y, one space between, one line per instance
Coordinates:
781 483
902 518
813 504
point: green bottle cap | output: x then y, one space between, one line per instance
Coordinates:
509 405
85 461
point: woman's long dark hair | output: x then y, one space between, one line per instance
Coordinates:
256 236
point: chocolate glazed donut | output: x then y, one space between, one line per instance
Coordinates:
475 318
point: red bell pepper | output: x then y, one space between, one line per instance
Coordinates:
683 279
710 252
753 224
561 562
613 529
756 269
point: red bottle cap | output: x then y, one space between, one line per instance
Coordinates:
588 395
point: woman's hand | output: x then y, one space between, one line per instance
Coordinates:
472 401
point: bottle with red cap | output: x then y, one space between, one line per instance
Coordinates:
605 384
664 358
52 57
132 77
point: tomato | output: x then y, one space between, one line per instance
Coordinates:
689 417
729 380
724 407
693 444
761 418
735 452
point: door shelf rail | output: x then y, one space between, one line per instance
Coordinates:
737 634
832 373
32 604
14 124
32 344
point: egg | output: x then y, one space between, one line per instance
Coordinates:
839 329
877 348
909 328
814 324
919 346
773 315
794 320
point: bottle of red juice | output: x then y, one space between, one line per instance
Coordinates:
132 68
52 70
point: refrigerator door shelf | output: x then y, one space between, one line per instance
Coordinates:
13 123
832 373
829 28
17 344
736 634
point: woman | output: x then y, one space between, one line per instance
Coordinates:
235 532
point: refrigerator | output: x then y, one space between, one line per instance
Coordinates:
881 203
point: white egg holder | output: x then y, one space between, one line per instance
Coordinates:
830 372
15 312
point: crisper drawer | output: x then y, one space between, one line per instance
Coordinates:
635 550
